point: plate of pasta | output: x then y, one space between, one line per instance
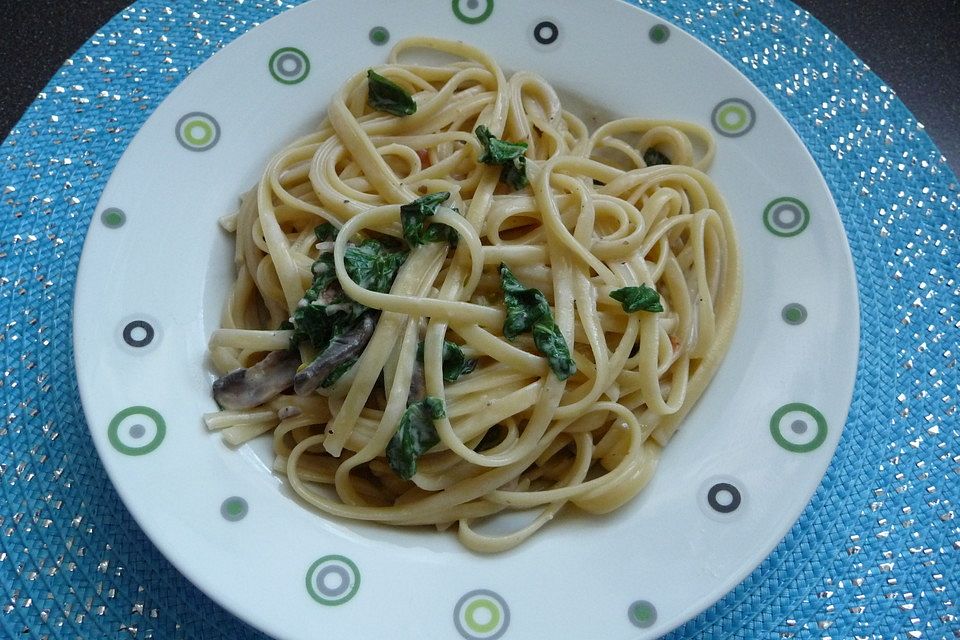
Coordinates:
543 316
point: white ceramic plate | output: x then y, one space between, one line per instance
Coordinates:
156 266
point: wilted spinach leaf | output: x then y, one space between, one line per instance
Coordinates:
641 298
455 363
652 157
528 310
325 232
510 155
414 436
413 216
386 95
371 266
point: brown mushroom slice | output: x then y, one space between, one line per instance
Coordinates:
418 383
345 346
252 386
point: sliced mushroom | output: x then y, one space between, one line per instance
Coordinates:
345 346
418 383
252 386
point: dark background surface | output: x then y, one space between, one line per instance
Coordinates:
911 44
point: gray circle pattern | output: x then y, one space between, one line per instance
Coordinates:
339 590
462 602
202 118
287 70
751 117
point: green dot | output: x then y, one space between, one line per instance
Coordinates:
379 35
739 118
205 135
113 218
486 605
659 34
794 313
642 614
234 509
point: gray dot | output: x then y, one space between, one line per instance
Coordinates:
289 65
137 431
642 614
473 4
798 426
234 509
341 588
794 313
787 217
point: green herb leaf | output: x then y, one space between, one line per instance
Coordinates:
514 173
641 298
455 363
311 321
386 95
497 151
550 342
325 232
510 155
371 266
528 310
413 216
652 157
415 435
524 305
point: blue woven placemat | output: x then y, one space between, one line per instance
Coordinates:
875 555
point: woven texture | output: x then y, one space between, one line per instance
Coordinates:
875 555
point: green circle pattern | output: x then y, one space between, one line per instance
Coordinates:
379 36
279 60
116 440
776 427
481 615
659 34
733 117
471 15
113 218
773 223
198 131
337 564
